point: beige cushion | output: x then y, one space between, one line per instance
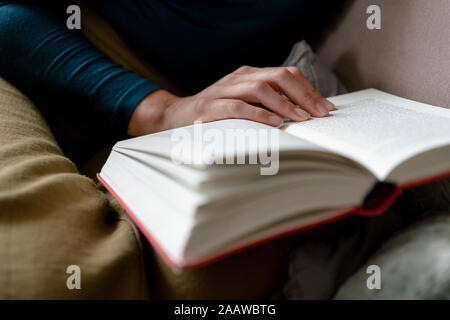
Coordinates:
51 217
409 56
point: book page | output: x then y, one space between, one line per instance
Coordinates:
232 137
378 130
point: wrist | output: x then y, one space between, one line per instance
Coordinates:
148 116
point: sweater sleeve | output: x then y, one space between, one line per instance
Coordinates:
45 60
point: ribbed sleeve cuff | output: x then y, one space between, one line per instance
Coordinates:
128 103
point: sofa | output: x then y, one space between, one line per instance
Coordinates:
409 56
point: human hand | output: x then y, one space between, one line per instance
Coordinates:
239 94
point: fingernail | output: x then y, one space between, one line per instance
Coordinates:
302 113
330 105
276 121
323 110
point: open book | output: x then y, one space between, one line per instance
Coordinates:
194 210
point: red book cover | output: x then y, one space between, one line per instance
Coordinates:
374 206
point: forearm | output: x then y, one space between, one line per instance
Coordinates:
44 59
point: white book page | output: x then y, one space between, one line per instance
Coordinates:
197 139
377 129
167 227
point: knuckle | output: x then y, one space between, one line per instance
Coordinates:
244 69
259 113
282 73
295 71
314 94
309 98
258 85
234 107
290 107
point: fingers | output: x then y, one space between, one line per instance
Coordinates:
309 89
291 82
222 109
261 92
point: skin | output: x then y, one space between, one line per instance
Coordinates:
240 95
